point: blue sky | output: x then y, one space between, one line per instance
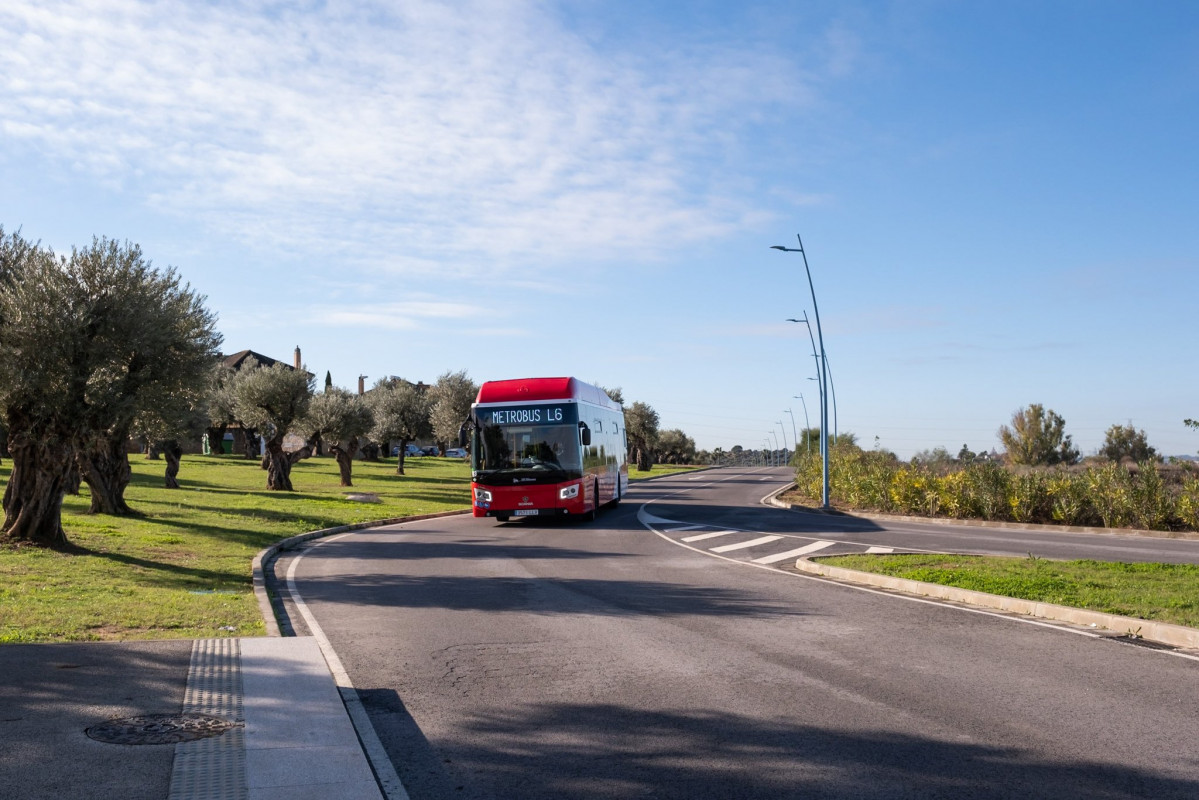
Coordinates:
997 199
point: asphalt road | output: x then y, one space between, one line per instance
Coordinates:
612 659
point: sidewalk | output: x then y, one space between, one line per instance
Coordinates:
282 730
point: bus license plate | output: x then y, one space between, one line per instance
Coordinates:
528 512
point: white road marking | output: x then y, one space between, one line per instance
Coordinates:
686 528
796 553
880 550
740 545
385 772
703 536
647 519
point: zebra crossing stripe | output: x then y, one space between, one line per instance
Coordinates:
682 528
740 545
703 536
880 550
777 557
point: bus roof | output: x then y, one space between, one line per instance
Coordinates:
524 390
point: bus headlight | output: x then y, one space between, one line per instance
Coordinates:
482 496
568 492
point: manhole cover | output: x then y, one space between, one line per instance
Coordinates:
160 729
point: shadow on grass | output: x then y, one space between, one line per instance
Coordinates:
170 576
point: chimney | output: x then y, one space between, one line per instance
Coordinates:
297 357
361 384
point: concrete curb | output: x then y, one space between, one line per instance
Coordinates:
772 499
1161 632
264 558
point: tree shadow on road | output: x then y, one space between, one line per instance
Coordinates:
614 751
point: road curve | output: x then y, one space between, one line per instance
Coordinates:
606 659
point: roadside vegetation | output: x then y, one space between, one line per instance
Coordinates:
1152 591
658 470
1040 479
181 567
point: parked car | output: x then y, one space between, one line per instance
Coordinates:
412 450
430 450
455 452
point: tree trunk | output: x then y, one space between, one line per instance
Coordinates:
645 460
250 441
400 459
173 453
152 451
33 497
74 479
296 456
105 469
216 439
345 458
278 470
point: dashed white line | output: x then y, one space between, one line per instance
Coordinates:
703 536
877 550
741 545
796 553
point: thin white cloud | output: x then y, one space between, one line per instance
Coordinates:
410 315
479 135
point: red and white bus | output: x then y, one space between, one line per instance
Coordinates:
545 447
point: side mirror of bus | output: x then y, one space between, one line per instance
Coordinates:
462 435
584 434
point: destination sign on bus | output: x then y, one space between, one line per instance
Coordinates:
549 414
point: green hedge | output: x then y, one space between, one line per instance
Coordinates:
1108 495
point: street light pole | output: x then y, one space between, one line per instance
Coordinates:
794 435
779 422
831 384
806 426
823 366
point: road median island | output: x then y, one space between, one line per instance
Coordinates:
1159 631
777 500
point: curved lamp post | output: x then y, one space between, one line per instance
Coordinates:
806 426
832 385
823 366
794 435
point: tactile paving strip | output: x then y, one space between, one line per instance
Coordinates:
213 769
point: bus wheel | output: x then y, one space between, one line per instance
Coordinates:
616 500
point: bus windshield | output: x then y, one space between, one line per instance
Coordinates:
528 453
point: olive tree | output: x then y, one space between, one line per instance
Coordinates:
1038 436
180 418
675 447
157 347
341 419
401 414
86 343
272 399
450 398
641 432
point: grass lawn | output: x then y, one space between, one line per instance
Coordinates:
182 568
657 471
1160 592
